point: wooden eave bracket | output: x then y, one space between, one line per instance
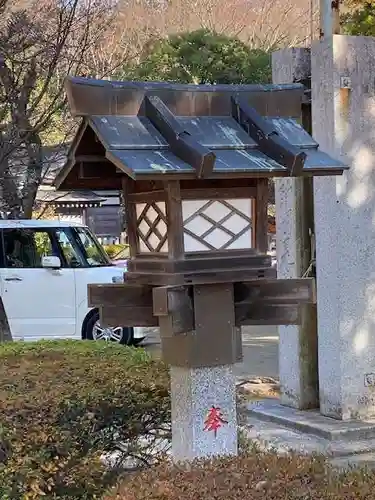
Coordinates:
182 144
266 136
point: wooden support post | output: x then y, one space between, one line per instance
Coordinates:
214 341
261 219
130 216
253 205
174 220
308 312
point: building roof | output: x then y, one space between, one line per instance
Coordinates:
154 130
71 198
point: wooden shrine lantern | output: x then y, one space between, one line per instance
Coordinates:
193 163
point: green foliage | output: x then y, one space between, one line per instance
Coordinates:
42 244
64 403
118 251
204 57
359 19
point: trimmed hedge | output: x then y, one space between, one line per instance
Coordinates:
62 404
257 476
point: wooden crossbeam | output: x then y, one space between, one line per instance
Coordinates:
119 295
127 316
122 304
256 302
276 291
267 314
265 291
182 144
281 314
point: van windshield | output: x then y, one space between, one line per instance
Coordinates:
92 251
80 248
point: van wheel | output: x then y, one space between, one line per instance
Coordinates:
119 334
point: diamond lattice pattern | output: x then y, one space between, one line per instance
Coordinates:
152 227
217 225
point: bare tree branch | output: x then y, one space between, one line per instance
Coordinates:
40 43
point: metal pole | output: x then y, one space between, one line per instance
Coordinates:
329 18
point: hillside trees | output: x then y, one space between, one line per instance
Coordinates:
204 57
358 17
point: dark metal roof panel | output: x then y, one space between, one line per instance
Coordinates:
149 162
127 132
227 161
248 160
217 132
293 132
318 160
89 97
150 85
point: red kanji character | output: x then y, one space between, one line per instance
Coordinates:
214 420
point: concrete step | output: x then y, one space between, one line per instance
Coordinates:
271 436
311 422
284 430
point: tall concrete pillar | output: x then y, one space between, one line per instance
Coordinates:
343 106
298 344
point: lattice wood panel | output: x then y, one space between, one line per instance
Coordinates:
217 225
152 227
208 225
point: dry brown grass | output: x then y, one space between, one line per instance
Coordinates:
264 389
251 477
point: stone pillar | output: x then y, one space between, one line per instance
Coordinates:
343 106
203 383
194 391
298 344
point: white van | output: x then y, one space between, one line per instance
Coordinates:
45 267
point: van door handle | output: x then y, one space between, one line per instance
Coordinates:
13 278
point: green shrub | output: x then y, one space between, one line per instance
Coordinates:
118 251
257 476
62 404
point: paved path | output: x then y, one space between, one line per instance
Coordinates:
260 348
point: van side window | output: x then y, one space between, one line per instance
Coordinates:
25 248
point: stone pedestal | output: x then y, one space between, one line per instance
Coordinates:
194 392
343 106
298 344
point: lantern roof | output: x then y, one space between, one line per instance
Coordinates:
155 130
